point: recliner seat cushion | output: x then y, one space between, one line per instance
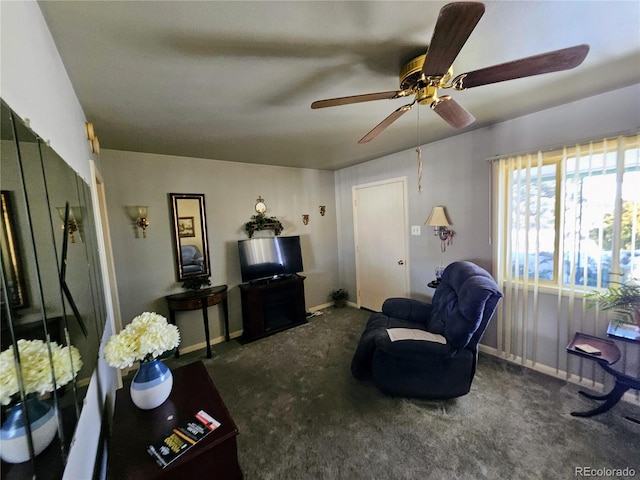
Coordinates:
375 336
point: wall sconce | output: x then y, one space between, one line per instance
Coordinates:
438 220
74 221
323 210
142 222
305 219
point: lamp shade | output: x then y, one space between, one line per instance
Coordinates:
437 218
75 213
61 212
142 211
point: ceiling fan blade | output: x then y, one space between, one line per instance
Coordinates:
367 97
452 112
385 123
564 59
455 23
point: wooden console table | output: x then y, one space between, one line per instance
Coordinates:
214 457
201 299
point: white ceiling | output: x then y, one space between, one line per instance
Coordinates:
234 80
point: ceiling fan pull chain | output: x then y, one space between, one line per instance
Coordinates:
419 151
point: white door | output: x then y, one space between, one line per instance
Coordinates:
381 242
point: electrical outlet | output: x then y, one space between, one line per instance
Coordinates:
415 229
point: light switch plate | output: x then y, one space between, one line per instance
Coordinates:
415 229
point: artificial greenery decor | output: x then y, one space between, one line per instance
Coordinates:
622 298
339 297
262 222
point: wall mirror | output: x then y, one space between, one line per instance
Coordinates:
190 233
51 281
11 255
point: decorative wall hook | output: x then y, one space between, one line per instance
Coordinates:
323 210
305 219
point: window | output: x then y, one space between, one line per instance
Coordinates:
570 217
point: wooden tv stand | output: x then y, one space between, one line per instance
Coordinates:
272 305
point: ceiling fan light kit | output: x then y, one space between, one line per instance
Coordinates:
424 75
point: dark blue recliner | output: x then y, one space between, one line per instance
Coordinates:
435 347
192 259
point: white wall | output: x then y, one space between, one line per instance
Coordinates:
145 268
34 83
457 175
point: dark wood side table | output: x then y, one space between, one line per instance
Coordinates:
215 457
201 299
609 355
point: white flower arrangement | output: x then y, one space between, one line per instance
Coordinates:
147 337
35 365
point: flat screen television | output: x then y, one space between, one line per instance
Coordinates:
262 258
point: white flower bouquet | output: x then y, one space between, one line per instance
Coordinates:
35 365
146 338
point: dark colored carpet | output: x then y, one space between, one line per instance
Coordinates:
302 416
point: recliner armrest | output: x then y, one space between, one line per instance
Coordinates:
407 309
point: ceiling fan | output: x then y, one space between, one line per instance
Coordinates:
425 74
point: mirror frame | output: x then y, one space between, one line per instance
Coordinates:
11 255
175 199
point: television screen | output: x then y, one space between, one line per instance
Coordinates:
269 257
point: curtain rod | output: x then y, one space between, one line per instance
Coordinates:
549 148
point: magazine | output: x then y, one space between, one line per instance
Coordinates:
182 438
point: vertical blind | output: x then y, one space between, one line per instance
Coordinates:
565 222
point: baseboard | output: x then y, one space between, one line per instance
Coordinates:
212 341
560 374
320 307
238 333
330 304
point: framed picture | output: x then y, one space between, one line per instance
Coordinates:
185 227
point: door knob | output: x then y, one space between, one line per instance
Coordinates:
400 262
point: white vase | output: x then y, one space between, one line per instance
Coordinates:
151 384
14 446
